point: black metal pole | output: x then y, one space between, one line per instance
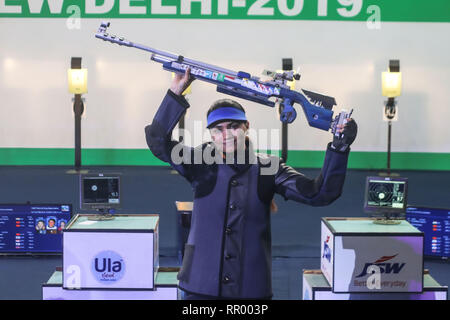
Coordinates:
181 128
389 148
78 108
284 141
286 65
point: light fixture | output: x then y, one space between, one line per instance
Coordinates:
391 80
287 65
391 83
77 78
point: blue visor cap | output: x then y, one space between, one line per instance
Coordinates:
225 114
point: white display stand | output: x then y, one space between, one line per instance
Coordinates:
360 256
316 287
118 254
166 285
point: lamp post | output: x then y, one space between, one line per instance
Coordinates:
287 65
77 85
391 88
181 122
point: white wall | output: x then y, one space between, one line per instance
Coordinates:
341 59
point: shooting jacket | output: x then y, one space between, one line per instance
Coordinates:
228 252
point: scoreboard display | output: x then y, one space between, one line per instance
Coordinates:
435 224
33 228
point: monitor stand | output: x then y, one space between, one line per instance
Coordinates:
102 215
387 220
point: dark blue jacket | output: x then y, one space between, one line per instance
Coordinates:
228 252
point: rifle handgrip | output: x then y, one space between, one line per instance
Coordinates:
288 113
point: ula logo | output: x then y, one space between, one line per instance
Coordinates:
326 250
108 266
385 267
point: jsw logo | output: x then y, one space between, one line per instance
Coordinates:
384 267
326 250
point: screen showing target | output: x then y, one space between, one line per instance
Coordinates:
386 194
100 191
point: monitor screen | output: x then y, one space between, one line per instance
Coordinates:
386 196
33 228
100 191
435 224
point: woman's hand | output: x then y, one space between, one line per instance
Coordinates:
181 82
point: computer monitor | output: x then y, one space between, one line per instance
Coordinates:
386 197
100 191
33 228
435 224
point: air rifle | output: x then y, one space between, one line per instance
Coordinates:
276 92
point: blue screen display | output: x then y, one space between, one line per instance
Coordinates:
435 224
34 228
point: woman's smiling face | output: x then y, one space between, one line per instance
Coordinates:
228 135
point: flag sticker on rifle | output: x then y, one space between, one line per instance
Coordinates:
221 77
229 78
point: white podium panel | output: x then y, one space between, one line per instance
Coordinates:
58 293
165 289
316 287
360 256
117 254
